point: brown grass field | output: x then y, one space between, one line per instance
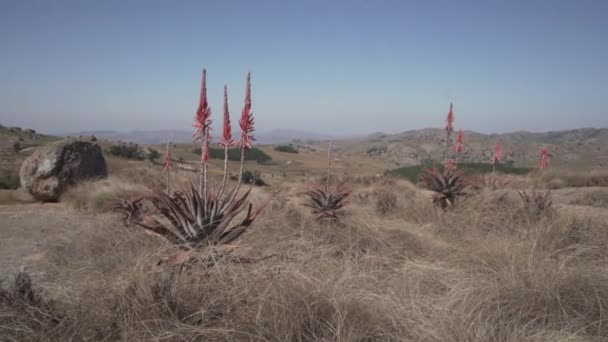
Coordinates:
483 271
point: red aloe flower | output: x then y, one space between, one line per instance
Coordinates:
246 122
450 165
497 154
449 121
168 165
202 120
226 139
458 146
544 158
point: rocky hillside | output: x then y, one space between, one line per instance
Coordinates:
587 146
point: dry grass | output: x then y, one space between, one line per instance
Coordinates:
478 272
96 196
596 198
557 179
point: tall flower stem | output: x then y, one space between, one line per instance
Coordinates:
168 169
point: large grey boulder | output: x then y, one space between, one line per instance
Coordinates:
50 169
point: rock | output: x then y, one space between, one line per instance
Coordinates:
50 169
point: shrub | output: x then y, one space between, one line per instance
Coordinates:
125 150
152 154
249 177
286 148
9 182
234 154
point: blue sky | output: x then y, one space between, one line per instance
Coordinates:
339 67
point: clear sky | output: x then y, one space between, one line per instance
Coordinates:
326 66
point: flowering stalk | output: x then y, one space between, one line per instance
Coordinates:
246 123
450 165
449 128
202 123
226 140
495 158
544 161
167 167
330 159
458 146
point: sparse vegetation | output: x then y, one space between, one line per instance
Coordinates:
412 173
536 204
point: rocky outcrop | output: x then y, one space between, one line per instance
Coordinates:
50 169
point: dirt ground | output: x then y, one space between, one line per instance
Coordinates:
28 229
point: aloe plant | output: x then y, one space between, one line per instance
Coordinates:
201 216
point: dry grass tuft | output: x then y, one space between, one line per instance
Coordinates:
96 196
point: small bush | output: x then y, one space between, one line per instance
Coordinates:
286 148
234 154
249 177
152 154
9 182
125 150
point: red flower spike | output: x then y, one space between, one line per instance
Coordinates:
246 122
202 120
450 120
226 139
450 165
497 154
168 165
544 159
458 146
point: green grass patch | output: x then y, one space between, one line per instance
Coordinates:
234 154
412 173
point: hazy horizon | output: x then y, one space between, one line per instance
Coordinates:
340 68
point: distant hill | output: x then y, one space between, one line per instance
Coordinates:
586 146
177 136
